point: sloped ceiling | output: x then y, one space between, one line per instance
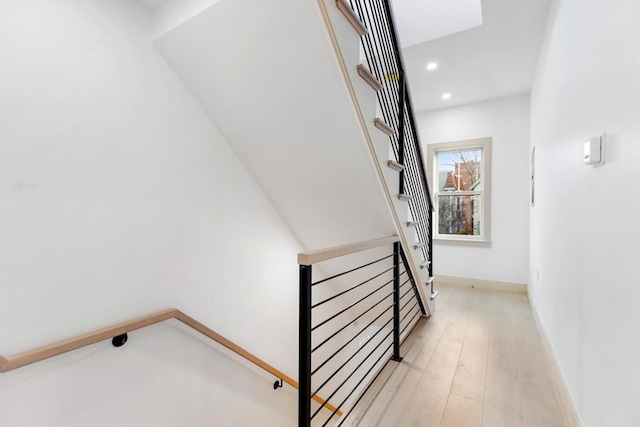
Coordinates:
421 21
495 59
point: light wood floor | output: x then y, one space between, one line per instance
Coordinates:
477 362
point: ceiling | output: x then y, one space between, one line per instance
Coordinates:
493 60
151 4
420 21
484 49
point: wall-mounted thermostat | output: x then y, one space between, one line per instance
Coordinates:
594 151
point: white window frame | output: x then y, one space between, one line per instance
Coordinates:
485 195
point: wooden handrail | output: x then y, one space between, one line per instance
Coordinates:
194 324
61 347
312 257
65 346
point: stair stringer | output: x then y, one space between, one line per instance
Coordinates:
346 42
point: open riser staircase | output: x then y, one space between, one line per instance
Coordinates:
335 176
380 94
365 29
286 106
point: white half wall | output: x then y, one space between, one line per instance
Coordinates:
585 226
119 196
506 121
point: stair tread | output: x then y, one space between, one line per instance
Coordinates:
383 126
412 223
434 295
429 280
368 77
395 165
404 197
351 16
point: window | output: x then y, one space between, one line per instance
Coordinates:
461 189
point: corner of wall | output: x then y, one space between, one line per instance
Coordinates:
563 394
173 13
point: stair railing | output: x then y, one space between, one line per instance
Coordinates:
352 320
384 61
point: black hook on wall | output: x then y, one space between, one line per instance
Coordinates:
120 340
277 384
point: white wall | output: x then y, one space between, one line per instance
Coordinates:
506 121
119 196
585 227
298 136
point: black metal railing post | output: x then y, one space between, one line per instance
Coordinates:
401 93
304 348
396 302
430 216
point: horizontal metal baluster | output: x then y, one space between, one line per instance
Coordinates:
352 270
350 341
352 356
351 322
351 374
360 382
352 288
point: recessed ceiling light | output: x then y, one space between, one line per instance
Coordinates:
432 66
446 95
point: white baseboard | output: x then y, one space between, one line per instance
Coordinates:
569 414
480 283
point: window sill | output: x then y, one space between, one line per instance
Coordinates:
457 240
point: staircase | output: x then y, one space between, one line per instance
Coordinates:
313 99
380 92
282 81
